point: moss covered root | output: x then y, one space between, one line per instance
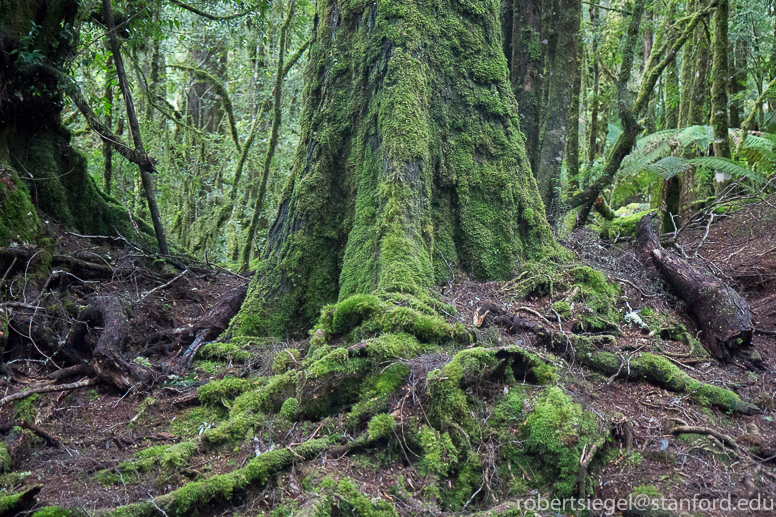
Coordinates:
197 495
653 368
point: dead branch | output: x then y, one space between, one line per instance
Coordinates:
47 389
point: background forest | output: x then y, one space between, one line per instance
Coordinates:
203 89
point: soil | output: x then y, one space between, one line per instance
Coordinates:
99 427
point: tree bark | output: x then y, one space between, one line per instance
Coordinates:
719 74
738 78
596 101
526 63
410 152
719 311
562 68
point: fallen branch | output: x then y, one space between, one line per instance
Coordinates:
168 284
47 389
689 429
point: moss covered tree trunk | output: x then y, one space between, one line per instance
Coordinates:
410 165
562 64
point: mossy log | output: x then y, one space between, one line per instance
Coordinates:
719 311
603 209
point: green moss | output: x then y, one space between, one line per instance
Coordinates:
6 463
290 409
199 494
621 226
653 368
285 360
221 392
55 511
189 422
381 426
556 432
563 308
410 166
20 219
26 408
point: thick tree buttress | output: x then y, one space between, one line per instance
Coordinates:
411 164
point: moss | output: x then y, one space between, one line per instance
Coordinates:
621 226
381 426
651 504
223 391
290 409
410 165
653 368
285 360
20 219
26 408
6 463
55 511
563 308
556 432
189 422
345 498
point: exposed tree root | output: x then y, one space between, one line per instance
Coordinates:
221 487
652 368
689 429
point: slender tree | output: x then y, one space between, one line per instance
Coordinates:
146 166
719 74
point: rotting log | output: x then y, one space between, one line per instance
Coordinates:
719 311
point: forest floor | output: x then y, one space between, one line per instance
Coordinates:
98 427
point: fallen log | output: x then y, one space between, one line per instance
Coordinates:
719 311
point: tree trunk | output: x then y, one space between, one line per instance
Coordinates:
526 64
719 74
34 146
146 166
410 163
688 60
699 95
562 66
107 148
719 311
596 101
572 141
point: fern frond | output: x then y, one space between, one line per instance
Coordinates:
727 166
669 166
699 136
